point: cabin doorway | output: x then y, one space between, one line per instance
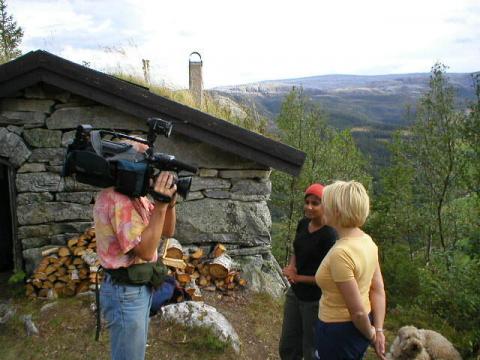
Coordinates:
6 232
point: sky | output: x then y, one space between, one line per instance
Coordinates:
254 40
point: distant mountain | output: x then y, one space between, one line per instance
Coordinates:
371 106
351 100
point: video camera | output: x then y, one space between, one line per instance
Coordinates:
99 162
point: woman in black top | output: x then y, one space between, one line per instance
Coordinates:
313 240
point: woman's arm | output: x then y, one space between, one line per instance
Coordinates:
351 296
170 219
152 234
378 302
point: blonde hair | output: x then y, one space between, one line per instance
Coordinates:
347 202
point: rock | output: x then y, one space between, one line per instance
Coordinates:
13 148
29 243
199 183
261 275
251 188
217 194
32 167
195 195
33 198
212 220
53 211
251 174
30 327
43 138
32 257
27 105
15 129
18 118
48 230
7 311
199 314
68 137
207 172
39 182
48 306
76 197
61 239
54 156
97 116
72 185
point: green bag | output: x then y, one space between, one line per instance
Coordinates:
141 274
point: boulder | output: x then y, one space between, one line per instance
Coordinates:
27 105
39 182
43 138
199 314
54 156
53 211
19 118
48 230
97 116
262 274
32 167
13 148
215 220
33 198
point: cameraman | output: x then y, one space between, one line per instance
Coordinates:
128 232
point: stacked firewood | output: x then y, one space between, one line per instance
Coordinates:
73 269
66 270
198 271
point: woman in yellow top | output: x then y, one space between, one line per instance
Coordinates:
352 306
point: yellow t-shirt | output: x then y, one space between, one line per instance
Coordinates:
350 258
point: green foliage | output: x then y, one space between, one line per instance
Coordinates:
10 35
17 278
401 275
426 218
330 155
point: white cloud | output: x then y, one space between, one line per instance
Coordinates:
257 40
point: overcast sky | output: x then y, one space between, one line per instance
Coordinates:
253 40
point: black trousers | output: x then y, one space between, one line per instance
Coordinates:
297 340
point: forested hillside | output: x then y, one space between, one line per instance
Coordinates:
425 203
372 107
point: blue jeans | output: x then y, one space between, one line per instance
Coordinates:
339 341
126 309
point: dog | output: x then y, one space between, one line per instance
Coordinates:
421 344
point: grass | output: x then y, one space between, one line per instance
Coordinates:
67 330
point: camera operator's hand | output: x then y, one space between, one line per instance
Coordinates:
164 184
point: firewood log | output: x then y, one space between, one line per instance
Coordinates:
190 269
72 242
49 251
183 277
90 232
218 250
220 266
203 281
197 254
174 249
63 251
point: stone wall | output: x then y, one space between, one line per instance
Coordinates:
227 202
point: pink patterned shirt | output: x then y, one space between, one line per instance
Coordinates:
119 223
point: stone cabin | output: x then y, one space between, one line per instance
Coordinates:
42 100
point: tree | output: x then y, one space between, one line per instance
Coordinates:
11 35
428 167
331 155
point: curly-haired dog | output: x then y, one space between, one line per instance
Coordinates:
421 344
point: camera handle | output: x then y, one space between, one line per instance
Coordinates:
159 197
